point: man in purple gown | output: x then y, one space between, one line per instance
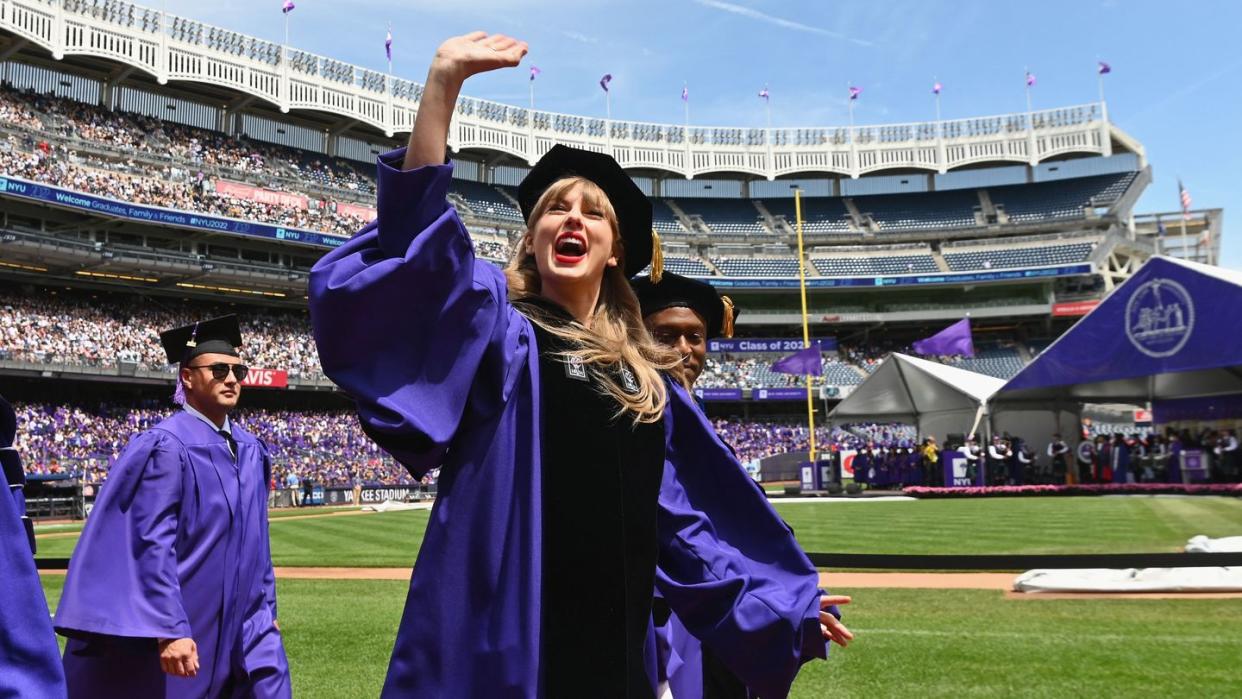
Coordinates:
170 591
29 666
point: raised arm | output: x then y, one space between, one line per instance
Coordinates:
456 60
405 319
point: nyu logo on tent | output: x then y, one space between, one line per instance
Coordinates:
1160 317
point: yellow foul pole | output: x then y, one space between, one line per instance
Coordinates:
806 327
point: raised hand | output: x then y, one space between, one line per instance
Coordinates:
457 59
460 57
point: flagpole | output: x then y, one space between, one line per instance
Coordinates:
1026 79
532 95
806 328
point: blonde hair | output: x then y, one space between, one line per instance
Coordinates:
617 337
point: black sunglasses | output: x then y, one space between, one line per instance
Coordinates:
220 370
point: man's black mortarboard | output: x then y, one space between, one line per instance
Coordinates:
216 336
642 243
674 290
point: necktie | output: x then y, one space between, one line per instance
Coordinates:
232 443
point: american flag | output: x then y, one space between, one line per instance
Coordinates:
1185 198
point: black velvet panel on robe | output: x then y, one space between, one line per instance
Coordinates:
601 481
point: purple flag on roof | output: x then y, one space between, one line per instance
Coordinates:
1030 79
603 82
287 6
807 361
1104 68
534 70
936 88
685 93
855 92
764 92
953 340
388 44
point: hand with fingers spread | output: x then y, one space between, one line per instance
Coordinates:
456 60
179 656
477 52
829 625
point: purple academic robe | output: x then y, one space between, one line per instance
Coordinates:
445 372
176 546
29 659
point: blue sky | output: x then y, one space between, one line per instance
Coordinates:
1176 83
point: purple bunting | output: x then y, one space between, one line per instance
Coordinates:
807 361
954 340
603 82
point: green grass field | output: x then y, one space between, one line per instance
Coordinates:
929 643
1129 524
926 643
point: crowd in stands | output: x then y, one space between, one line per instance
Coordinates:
324 447
74 328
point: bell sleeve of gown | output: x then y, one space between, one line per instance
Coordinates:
729 567
408 322
122 577
29 659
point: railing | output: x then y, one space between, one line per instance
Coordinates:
176 48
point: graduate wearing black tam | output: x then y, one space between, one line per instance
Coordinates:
685 313
642 243
192 612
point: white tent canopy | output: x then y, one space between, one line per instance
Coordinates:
938 399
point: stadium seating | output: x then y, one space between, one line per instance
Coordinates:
1059 199
819 214
1001 362
921 211
729 216
663 219
869 266
756 266
1010 258
486 202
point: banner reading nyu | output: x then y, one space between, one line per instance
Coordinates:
13 187
768 344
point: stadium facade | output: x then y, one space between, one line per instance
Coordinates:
1023 221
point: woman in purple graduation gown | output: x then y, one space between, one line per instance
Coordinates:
575 476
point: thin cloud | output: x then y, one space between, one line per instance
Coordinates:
578 36
779 21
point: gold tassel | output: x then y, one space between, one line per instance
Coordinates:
657 258
726 325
